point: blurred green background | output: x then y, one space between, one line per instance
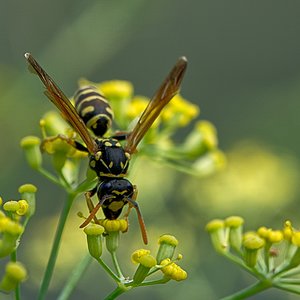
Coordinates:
244 72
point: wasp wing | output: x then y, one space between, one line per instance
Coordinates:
162 97
61 101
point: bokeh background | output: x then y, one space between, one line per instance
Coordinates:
244 72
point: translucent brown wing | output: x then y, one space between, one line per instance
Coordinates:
162 97
61 101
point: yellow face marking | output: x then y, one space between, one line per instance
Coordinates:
127 155
120 192
111 164
116 205
111 175
122 165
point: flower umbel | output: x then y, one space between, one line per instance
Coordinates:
258 251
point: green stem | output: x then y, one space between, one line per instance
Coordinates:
13 257
154 282
117 292
51 177
108 270
249 291
75 277
116 264
55 247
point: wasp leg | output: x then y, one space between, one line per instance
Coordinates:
134 204
88 195
78 146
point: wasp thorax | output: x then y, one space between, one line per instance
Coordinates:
110 160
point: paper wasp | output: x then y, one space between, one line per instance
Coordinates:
107 157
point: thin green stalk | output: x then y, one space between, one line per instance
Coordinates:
289 288
116 264
75 277
154 282
249 291
51 177
55 247
13 257
108 270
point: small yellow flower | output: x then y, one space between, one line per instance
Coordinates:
168 239
111 89
27 188
11 227
23 207
146 262
93 229
235 224
114 225
288 230
275 236
28 192
172 270
94 239
31 146
217 234
252 243
181 110
296 238
137 254
167 245
15 272
137 106
234 221
11 206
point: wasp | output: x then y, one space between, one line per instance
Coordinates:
107 157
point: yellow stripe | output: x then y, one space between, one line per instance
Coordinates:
94 119
87 110
87 99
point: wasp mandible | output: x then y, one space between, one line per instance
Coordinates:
106 155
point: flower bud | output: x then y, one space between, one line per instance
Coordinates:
31 146
112 241
28 192
94 239
15 273
167 245
217 235
235 225
252 243
11 206
146 261
201 139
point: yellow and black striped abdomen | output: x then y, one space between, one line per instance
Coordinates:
94 110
